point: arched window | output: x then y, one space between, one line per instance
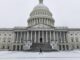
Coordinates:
31 21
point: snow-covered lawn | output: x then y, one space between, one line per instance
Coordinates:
68 55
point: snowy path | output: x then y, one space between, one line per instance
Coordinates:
5 55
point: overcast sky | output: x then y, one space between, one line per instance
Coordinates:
16 12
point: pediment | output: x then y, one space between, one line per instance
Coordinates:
41 26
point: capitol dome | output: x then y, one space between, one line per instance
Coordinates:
41 9
40 15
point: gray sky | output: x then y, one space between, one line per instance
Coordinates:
16 12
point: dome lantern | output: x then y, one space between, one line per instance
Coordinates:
40 1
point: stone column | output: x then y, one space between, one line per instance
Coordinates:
43 36
61 47
21 37
47 21
60 37
39 37
65 40
27 35
35 37
37 21
24 35
15 47
42 20
31 35
57 36
54 35
17 37
50 36
19 47
61 41
64 36
32 22
46 36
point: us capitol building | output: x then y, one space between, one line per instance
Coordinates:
40 34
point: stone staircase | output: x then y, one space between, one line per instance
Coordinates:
41 46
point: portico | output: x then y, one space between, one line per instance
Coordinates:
41 36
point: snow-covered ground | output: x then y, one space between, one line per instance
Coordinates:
68 55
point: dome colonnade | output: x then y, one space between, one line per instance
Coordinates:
40 15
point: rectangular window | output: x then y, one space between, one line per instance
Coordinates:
72 39
76 39
77 47
63 47
59 47
67 47
9 34
3 47
4 34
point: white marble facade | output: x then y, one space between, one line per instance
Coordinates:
40 29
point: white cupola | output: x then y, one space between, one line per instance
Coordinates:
40 15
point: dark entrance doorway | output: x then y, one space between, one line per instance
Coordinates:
40 40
